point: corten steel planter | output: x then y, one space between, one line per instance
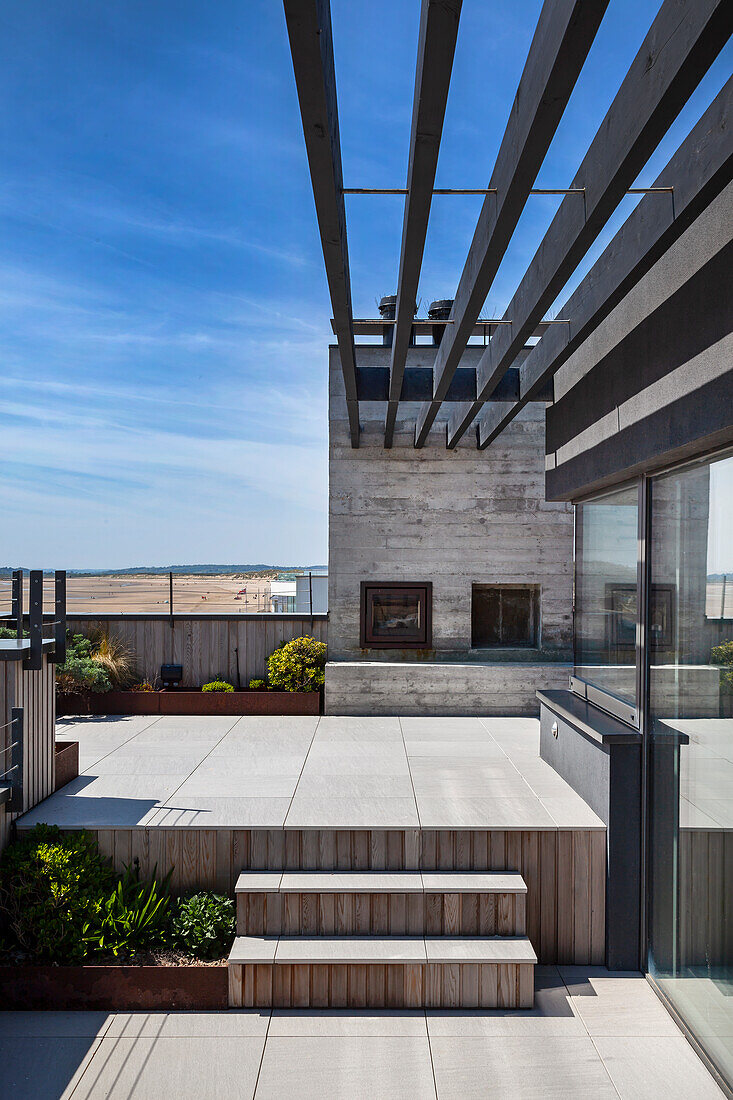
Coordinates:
240 702
67 762
71 703
177 701
113 988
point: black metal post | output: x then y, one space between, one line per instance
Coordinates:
17 609
34 661
310 596
16 760
59 649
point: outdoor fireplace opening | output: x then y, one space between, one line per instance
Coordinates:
505 615
396 615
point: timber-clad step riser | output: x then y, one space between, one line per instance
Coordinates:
564 869
381 914
387 985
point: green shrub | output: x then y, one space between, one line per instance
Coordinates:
82 674
9 633
204 925
51 887
133 918
80 671
723 655
298 665
218 685
257 685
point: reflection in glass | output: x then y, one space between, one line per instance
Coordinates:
691 751
395 614
605 593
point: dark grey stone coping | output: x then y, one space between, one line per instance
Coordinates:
17 649
592 722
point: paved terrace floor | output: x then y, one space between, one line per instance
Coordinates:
590 1034
482 773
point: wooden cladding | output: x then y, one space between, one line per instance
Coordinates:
564 869
380 914
209 649
383 985
34 692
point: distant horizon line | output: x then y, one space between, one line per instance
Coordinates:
201 567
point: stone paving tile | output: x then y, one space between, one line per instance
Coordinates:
615 1005
526 1067
391 1023
55 1024
44 1069
210 812
653 1066
182 1068
354 813
229 1023
346 1067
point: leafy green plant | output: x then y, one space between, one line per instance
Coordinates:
298 665
8 633
204 925
257 685
51 887
80 672
134 917
723 655
218 685
117 659
144 686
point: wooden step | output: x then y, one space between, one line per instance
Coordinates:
394 903
381 972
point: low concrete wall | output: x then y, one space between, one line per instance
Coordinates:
438 688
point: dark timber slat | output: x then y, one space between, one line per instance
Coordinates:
682 42
699 170
311 46
437 43
564 34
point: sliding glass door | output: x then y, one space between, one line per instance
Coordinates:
690 749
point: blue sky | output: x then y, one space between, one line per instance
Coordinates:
164 314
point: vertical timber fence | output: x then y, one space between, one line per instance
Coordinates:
234 648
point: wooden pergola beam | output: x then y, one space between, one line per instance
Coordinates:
682 43
311 47
699 170
436 49
564 34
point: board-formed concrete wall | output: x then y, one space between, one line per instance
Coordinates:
451 517
439 688
455 518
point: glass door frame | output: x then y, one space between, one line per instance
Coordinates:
630 715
